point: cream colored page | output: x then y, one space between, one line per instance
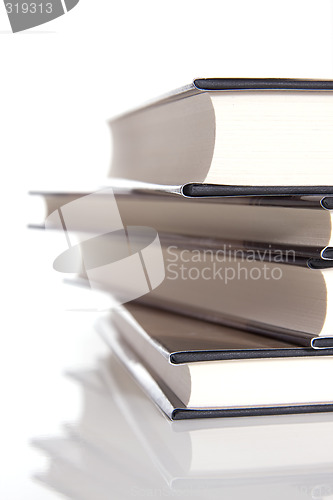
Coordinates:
273 138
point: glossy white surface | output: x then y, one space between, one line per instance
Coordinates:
59 85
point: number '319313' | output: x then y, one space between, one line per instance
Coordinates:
29 8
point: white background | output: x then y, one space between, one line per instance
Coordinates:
59 85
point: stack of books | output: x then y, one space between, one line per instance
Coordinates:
226 302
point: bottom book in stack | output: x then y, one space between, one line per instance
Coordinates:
194 369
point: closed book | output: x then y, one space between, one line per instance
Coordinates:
284 299
220 380
302 224
217 133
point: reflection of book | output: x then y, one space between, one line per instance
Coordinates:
86 482
289 455
85 456
221 379
99 453
102 425
76 485
71 482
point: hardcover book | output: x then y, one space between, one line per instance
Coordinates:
235 374
269 133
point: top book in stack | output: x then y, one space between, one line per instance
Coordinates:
264 136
